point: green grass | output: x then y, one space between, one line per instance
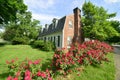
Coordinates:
21 52
105 71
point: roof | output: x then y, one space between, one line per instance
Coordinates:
52 28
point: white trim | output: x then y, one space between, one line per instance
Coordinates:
63 33
63 38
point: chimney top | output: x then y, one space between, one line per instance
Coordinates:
76 9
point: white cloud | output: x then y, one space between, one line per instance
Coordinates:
44 18
39 4
112 1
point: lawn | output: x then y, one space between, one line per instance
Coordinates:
105 71
21 52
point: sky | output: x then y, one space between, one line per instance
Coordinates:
46 10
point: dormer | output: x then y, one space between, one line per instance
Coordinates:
54 22
46 27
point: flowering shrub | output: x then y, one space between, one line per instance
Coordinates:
88 53
62 62
91 52
27 70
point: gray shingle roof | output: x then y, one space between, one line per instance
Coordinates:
52 29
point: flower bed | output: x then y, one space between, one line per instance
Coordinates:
27 70
88 53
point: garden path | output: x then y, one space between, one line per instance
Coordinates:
117 61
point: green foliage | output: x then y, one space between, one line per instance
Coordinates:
42 45
20 24
95 22
20 40
116 25
24 27
9 9
38 44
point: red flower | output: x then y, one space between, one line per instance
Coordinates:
12 61
7 62
36 62
27 75
9 78
18 73
30 62
15 78
49 78
38 73
43 75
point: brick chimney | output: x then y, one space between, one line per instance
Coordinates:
78 34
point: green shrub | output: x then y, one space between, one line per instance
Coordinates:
45 46
38 44
20 40
48 46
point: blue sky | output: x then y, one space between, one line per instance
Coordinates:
46 10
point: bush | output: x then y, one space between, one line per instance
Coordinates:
27 70
20 40
46 46
38 44
88 53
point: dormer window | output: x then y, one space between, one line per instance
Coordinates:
55 21
70 24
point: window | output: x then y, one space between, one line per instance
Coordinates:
51 38
69 41
54 39
70 24
44 38
58 41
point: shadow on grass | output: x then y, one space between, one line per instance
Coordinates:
2 44
4 75
46 64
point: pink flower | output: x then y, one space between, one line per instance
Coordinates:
30 62
18 73
49 78
38 73
15 78
36 62
43 75
9 78
27 75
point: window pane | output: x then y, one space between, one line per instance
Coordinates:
70 24
58 41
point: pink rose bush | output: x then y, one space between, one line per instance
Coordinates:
27 70
89 53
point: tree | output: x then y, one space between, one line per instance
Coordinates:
24 28
9 9
116 26
95 22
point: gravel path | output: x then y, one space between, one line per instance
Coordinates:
117 61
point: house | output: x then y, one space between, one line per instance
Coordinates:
64 31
